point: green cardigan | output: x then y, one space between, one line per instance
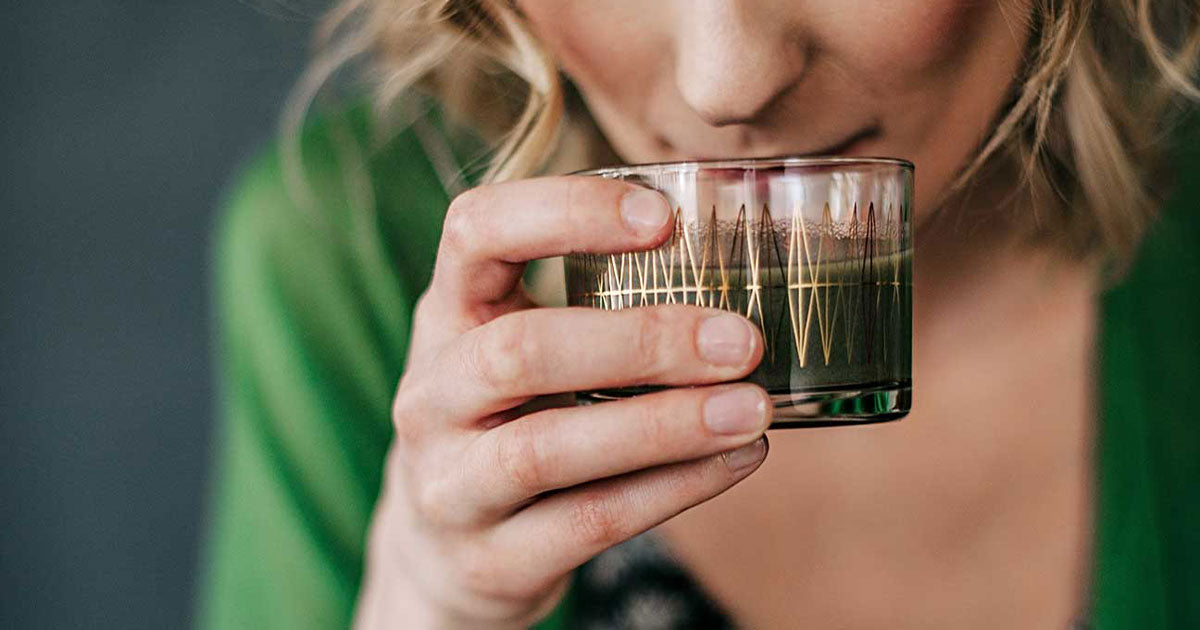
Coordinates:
314 308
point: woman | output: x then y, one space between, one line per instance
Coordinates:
1040 480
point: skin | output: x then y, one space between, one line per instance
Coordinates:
972 512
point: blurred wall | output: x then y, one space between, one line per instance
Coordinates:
122 121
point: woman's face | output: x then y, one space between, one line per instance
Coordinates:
693 79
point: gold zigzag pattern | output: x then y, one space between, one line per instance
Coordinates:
823 267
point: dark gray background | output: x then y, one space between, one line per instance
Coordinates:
122 122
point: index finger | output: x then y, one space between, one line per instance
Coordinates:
491 231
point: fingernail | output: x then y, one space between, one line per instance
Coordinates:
744 459
644 211
724 339
735 410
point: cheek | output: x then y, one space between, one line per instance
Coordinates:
899 44
603 45
935 72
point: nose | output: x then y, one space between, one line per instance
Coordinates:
735 58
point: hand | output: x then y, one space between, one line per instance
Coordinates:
491 499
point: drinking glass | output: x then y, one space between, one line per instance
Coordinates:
816 252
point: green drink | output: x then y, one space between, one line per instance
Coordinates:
830 289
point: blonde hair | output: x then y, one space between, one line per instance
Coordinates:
1103 82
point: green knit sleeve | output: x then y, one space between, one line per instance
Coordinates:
1147 563
313 305
306 369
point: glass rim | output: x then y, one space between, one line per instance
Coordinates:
801 161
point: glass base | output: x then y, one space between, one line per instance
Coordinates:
839 406
816 407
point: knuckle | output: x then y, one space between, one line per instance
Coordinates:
649 343
459 228
404 419
411 410
572 222
654 425
520 460
423 310
430 501
594 523
502 357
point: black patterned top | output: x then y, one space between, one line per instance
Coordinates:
639 585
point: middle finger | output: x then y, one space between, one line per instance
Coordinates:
515 357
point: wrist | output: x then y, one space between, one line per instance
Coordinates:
390 597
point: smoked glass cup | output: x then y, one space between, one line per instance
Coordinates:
816 252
